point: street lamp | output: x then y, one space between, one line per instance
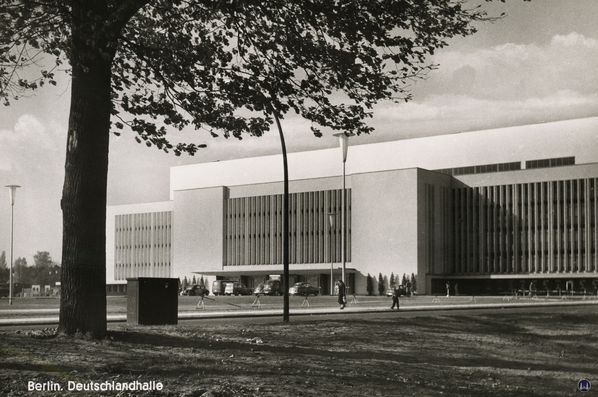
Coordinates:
344 143
331 218
13 193
285 222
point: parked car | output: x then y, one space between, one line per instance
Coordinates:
259 289
236 288
195 290
272 287
304 289
218 286
402 291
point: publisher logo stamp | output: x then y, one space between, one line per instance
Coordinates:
584 385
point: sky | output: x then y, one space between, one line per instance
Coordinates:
537 64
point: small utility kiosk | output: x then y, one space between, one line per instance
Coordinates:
152 301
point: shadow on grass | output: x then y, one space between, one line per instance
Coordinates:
333 340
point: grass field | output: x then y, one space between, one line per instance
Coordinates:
541 351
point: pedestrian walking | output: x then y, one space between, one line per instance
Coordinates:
342 296
395 298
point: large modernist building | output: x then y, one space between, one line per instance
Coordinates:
487 211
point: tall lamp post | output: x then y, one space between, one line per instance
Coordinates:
331 218
285 222
13 193
344 143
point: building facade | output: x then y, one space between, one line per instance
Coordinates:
485 212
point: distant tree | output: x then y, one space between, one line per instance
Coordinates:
185 283
392 280
4 270
225 67
404 280
194 282
202 283
42 259
413 283
44 271
42 264
20 271
369 285
381 286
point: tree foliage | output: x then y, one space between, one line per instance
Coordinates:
4 270
381 286
369 285
43 272
223 66
19 270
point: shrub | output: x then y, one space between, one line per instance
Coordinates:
370 285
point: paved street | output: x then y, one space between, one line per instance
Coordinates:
44 312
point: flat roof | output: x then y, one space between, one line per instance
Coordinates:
577 138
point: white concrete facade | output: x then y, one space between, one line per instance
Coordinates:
399 206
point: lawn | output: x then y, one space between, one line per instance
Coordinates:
513 352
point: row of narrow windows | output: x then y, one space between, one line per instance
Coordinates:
546 226
291 233
143 264
130 229
511 166
279 213
546 163
482 169
141 246
253 226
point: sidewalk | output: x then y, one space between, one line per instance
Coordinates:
254 312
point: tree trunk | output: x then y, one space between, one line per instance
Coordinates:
83 281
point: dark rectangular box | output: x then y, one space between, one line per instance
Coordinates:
152 301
